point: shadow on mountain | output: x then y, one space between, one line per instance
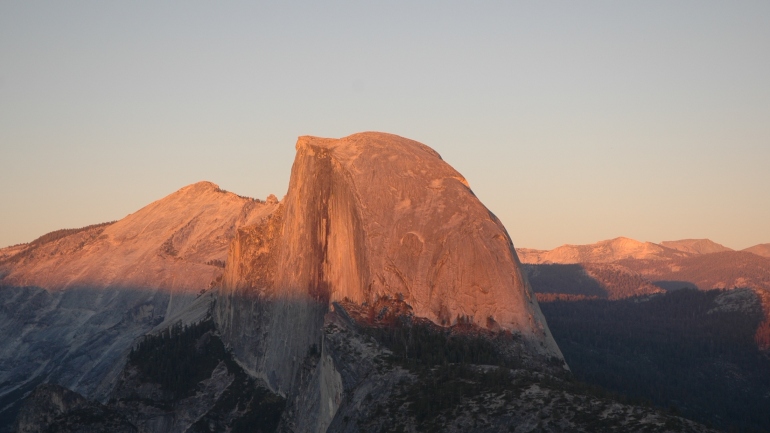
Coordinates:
587 281
571 280
730 269
692 351
671 286
78 338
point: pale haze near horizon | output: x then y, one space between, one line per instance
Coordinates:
573 122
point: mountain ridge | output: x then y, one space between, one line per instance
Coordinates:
168 244
760 250
621 248
74 301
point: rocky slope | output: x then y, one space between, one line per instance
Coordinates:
73 301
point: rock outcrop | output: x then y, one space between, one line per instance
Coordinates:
366 217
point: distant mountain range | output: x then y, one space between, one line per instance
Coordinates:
680 323
621 248
623 267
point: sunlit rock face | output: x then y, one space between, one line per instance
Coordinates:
367 216
172 244
72 306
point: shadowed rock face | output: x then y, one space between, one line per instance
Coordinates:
368 216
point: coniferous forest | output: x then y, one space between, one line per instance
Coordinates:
677 351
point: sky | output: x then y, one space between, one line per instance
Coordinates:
573 122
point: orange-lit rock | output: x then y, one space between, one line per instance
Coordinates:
73 302
173 244
368 216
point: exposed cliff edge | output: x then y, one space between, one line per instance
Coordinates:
366 217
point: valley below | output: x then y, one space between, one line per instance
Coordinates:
683 329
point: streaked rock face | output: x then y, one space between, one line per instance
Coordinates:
368 216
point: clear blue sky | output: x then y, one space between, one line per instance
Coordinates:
573 121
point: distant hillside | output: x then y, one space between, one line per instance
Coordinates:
601 252
696 246
649 346
587 281
622 248
760 250
693 351
726 270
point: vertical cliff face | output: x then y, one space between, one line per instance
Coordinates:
369 216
